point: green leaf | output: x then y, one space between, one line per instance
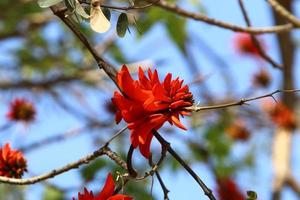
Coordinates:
52 193
251 195
176 27
106 12
48 3
122 25
80 10
70 5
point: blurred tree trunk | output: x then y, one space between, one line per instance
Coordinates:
282 138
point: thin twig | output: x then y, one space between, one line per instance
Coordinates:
85 160
199 17
255 41
206 190
116 135
237 103
163 186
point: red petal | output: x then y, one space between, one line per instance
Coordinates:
118 117
144 81
159 93
145 148
120 74
120 197
180 103
154 78
129 86
5 151
167 82
108 189
134 138
177 122
86 195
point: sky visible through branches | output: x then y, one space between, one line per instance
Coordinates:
157 46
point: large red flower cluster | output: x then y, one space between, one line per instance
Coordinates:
107 192
244 45
12 162
21 110
228 190
146 104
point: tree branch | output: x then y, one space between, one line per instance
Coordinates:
238 103
163 186
102 64
85 160
284 12
206 190
255 41
199 17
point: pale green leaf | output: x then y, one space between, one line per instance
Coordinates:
80 10
48 3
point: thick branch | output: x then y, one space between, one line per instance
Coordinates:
109 69
285 13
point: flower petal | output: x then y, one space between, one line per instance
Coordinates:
108 189
120 197
176 121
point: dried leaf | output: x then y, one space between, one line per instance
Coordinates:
98 21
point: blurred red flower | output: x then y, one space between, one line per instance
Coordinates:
238 131
107 192
244 45
146 104
228 190
12 162
282 116
21 110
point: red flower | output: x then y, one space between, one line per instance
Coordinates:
244 45
21 110
12 162
228 190
107 192
146 104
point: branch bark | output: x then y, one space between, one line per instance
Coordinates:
85 160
